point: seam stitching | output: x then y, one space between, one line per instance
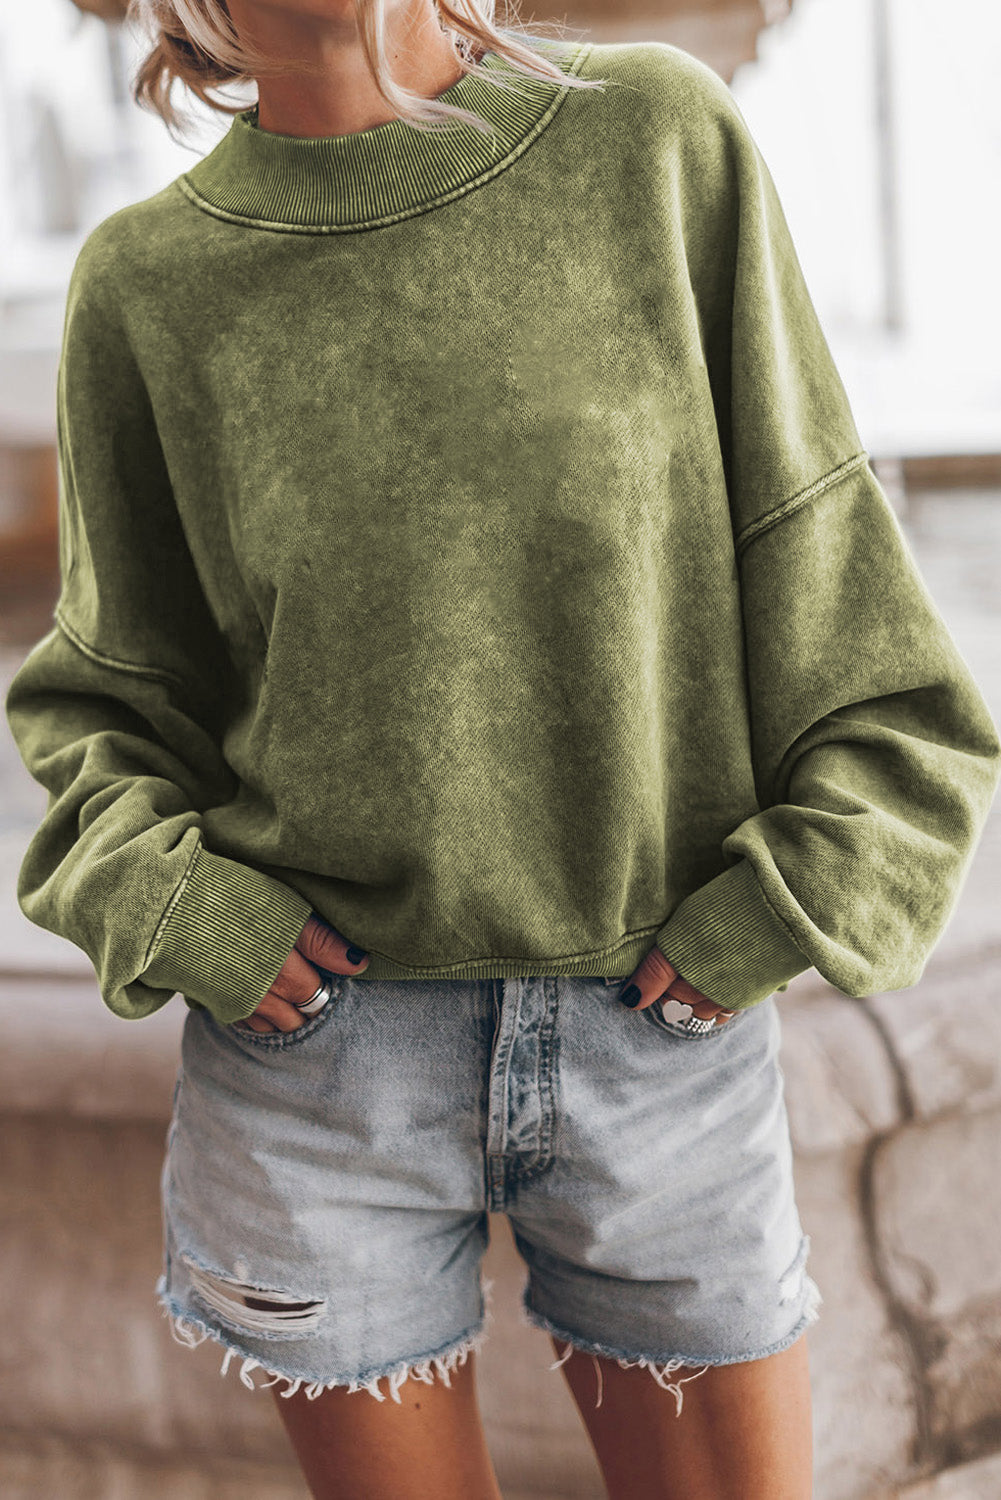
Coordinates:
775 913
280 227
434 972
155 674
795 502
168 910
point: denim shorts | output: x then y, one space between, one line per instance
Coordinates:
326 1191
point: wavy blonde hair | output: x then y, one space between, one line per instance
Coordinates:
195 42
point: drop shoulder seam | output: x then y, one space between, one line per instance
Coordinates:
137 669
795 502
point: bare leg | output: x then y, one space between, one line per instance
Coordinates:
744 1433
432 1447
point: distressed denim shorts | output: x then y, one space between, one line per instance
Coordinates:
326 1191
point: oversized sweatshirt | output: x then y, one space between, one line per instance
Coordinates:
466 537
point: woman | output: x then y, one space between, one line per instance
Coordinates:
478 610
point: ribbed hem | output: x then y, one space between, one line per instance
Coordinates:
371 177
620 959
727 941
227 936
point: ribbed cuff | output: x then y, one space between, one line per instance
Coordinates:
227 936
726 940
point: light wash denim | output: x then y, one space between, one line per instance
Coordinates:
326 1191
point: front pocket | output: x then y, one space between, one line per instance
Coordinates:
655 1014
276 1040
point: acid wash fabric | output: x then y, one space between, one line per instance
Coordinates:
467 538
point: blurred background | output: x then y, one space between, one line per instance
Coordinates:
881 123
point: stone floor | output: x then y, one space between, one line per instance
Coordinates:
895 1109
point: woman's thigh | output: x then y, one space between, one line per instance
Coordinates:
431 1446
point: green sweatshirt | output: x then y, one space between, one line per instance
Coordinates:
467 538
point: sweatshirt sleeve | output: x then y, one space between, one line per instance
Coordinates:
875 756
117 711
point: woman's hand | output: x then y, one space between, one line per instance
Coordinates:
298 980
656 979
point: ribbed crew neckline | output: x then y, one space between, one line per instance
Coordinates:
328 183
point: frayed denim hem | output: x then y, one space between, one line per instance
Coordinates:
191 1331
662 1368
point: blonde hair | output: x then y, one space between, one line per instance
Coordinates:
196 43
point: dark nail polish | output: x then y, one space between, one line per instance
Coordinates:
631 996
355 955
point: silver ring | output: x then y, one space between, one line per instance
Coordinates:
316 1001
698 1027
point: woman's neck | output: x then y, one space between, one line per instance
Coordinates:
340 96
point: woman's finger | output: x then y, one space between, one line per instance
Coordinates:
648 982
687 994
324 945
296 984
708 1011
656 978
297 979
275 1014
255 1022
680 990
